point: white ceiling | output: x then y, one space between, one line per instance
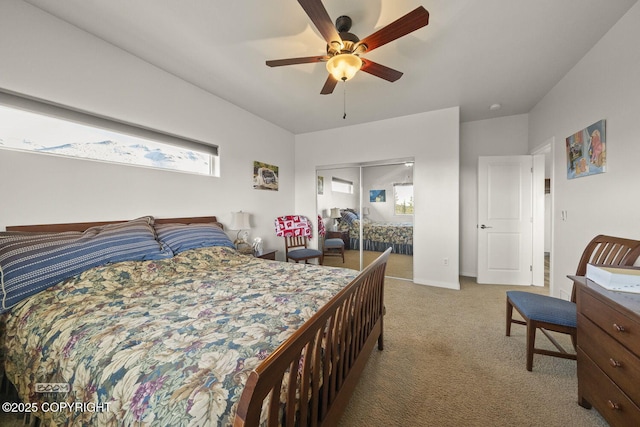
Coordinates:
473 53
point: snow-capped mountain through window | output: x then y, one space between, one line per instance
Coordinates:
25 130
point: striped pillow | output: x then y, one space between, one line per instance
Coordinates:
182 237
348 216
32 262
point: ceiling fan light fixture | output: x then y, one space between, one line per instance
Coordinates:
344 66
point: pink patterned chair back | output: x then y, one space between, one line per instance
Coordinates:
293 225
321 228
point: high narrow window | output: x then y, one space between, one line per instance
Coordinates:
341 185
31 125
403 199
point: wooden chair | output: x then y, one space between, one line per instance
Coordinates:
296 230
333 247
554 314
296 249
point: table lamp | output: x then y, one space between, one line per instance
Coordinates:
240 222
335 215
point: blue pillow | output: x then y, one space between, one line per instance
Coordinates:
32 262
348 216
182 237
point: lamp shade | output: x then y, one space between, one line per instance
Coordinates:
335 213
365 211
344 66
240 221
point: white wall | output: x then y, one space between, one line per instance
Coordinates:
45 57
603 85
432 138
502 136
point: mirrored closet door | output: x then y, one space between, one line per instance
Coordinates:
370 208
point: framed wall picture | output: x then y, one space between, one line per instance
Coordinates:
320 185
265 176
587 151
377 196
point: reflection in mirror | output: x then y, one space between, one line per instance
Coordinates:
368 224
338 190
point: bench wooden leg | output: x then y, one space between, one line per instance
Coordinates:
509 317
531 341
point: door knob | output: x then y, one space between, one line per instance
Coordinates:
485 226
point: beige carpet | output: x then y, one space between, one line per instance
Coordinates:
400 266
447 362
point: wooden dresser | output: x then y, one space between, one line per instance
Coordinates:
608 352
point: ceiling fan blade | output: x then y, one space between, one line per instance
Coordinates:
320 18
329 86
293 61
410 22
378 70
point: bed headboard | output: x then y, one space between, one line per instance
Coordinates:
81 226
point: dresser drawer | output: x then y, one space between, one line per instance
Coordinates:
614 323
622 366
604 395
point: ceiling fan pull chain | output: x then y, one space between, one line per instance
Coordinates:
344 100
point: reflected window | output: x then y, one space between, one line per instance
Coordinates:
341 185
403 199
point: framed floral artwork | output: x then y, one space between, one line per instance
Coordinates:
587 151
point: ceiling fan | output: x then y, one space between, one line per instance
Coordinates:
344 48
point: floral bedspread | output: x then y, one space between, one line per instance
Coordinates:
378 236
159 343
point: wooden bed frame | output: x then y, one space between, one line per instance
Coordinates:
323 359
81 226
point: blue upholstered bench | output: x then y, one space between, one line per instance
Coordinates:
545 313
334 247
542 308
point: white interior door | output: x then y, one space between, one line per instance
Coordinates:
505 220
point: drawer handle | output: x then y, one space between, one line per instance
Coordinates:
614 363
618 327
613 406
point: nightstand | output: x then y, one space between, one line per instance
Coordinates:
344 235
268 254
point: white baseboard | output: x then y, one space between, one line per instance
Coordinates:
437 284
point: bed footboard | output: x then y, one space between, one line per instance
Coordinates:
314 372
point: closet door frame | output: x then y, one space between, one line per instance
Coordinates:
361 167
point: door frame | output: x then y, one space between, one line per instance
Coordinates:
547 149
